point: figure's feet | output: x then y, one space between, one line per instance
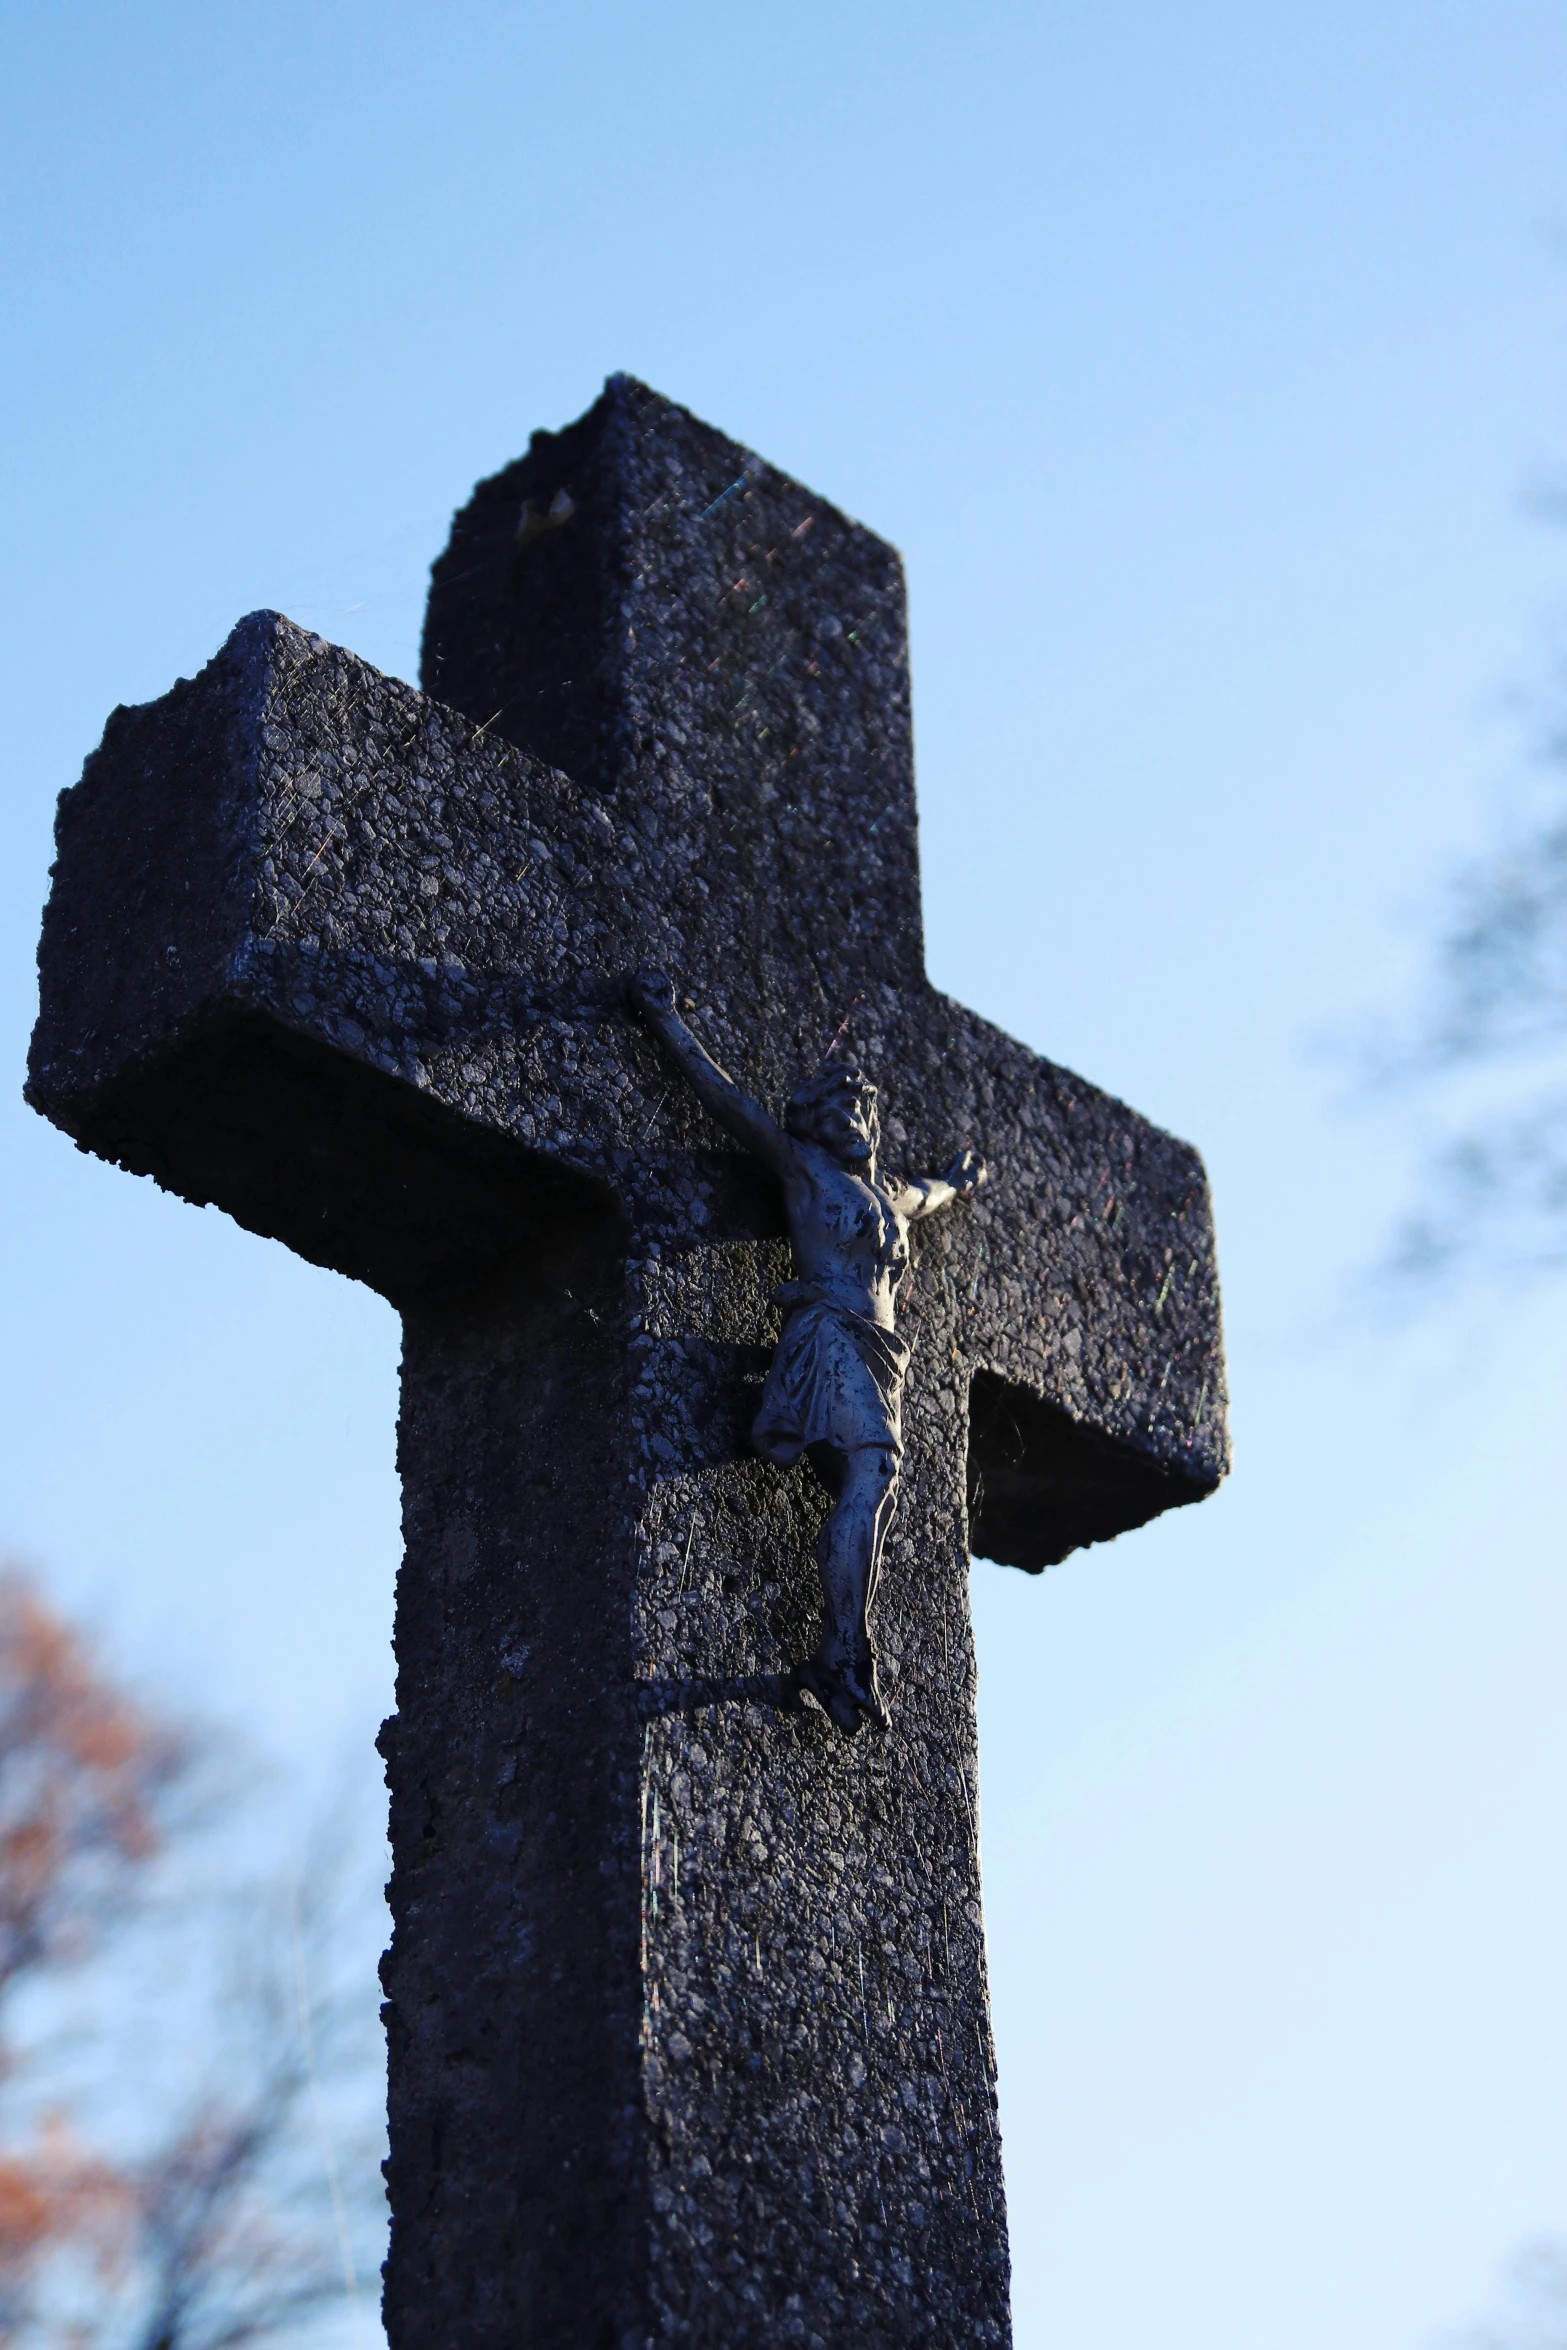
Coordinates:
821 1682
860 1681
849 1695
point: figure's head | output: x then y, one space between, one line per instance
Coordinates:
837 1110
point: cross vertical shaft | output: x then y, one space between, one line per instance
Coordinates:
687 1991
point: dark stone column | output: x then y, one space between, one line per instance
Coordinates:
686 1999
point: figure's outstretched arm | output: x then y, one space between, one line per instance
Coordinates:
652 997
927 1195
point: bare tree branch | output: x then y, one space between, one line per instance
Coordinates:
1489 1051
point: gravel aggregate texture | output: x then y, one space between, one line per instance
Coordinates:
686 2004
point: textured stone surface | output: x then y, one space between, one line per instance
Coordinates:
686 2001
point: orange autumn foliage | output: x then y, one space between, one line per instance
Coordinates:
84 1775
83 1768
54 2194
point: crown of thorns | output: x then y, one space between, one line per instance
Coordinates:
832 1080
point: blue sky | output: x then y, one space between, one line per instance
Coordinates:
1201 361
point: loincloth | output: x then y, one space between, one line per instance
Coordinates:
836 1380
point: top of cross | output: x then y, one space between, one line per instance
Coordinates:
722 658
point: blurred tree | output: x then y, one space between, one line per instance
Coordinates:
86 1778
1531 2310
167 2178
1492 1044
85 1775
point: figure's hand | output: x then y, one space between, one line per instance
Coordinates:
967 1172
651 994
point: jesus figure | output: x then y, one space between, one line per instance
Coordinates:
834 1392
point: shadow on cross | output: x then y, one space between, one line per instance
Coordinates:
782 1692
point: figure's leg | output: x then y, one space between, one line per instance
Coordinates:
889 1501
849 1554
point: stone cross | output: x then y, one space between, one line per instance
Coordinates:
686 1999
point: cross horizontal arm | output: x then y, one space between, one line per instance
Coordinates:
330 956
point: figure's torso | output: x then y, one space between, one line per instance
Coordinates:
848 1237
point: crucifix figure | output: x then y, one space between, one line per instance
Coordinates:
687 2022
835 1390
